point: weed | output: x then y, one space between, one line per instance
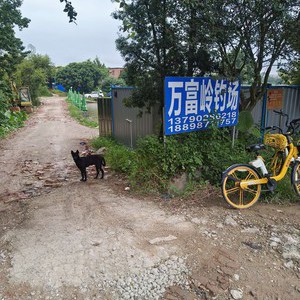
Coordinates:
10 121
119 157
202 156
81 116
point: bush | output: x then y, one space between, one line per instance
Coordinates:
119 157
44 91
203 156
9 121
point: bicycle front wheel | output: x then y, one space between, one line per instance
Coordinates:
231 190
296 178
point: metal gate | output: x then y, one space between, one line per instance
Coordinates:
104 116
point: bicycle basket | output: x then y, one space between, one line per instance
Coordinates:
276 140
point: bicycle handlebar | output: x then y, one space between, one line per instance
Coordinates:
281 113
294 124
291 126
274 128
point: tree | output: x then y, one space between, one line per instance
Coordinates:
258 31
101 67
69 9
34 72
290 69
108 81
83 76
11 47
290 74
160 38
231 38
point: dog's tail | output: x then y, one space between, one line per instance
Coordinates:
103 162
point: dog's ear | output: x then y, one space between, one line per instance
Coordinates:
72 152
77 152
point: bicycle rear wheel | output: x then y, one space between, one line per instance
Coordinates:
296 178
231 190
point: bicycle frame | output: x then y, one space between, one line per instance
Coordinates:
293 153
242 183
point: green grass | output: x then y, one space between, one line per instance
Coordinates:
79 115
59 93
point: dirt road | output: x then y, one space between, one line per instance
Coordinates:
65 239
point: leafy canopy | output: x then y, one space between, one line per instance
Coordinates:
34 72
83 76
11 47
231 38
254 35
161 38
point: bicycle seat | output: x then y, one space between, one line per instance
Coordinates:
255 147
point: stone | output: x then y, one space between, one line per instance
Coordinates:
101 150
289 264
275 239
273 244
236 277
162 239
250 230
230 221
292 253
199 221
236 294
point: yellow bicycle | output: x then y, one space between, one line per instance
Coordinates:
242 183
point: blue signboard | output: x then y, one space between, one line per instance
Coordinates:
193 103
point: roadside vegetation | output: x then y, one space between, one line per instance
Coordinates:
201 156
9 120
81 116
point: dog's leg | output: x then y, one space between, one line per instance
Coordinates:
82 175
97 169
102 172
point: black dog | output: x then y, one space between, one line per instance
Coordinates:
83 162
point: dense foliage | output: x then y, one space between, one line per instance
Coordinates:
83 76
9 121
229 39
11 54
86 76
290 70
163 38
202 155
255 31
35 72
11 47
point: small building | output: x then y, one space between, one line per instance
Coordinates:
115 72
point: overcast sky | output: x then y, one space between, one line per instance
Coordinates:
51 33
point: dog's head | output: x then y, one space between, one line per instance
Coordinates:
75 154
